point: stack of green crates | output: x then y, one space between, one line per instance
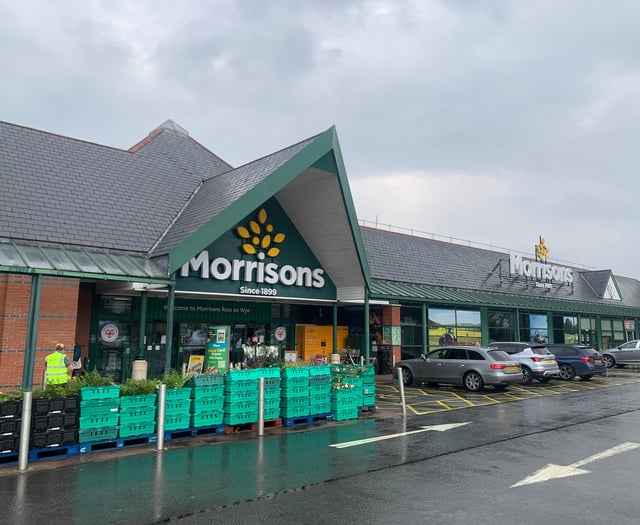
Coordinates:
137 415
319 390
368 386
294 398
241 397
99 413
207 400
346 392
272 392
177 408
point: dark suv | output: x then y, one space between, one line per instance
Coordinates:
578 360
535 360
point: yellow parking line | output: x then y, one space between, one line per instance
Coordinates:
461 398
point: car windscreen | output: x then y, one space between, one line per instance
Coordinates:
540 350
589 350
499 355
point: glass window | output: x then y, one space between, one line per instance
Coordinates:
588 335
501 326
612 333
533 328
454 326
565 329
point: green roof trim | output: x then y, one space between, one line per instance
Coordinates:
401 292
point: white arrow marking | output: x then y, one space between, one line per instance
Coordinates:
552 471
437 428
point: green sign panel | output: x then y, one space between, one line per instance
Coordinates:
217 355
262 256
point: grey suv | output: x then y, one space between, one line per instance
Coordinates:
535 360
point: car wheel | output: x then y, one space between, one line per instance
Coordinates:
567 372
473 382
586 377
407 376
527 376
544 379
609 361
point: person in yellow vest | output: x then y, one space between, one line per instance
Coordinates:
58 367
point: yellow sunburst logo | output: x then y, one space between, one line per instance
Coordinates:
258 237
542 252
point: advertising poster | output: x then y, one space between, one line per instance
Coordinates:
218 348
195 364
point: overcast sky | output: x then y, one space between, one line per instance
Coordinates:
490 121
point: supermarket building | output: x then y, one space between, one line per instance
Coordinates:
150 254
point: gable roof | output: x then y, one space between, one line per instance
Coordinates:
76 193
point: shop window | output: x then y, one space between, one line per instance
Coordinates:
565 329
501 326
588 334
533 328
454 326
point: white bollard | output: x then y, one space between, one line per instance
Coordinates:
25 429
403 405
261 407
162 398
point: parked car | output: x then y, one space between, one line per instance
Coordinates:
578 360
626 354
535 360
470 366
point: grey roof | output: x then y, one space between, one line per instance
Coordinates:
219 192
61 190
399 258
597 280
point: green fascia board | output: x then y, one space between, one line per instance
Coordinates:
404 293
84 275
217 226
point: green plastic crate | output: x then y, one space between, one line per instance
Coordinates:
320 397
248 395
98 421
99 407
178 393
206 419
294 402
240 406
199 380
176 421
97 434
99 392
272 413
139 415
294 411
319 408
270 402
369 390
241 375
320 389
345 392
134 402
272 392
268 372
369 400
289 382
206 404
137 428
319 370
319 380
346 413
248 385
294 372
346 402
294 391
177 406
356 381
271 382
368 371
239 418
207 391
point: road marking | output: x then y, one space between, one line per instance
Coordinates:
552 471
437 428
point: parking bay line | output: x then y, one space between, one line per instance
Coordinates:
437 428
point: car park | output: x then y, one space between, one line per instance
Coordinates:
470 366
626 354
537 361
578 360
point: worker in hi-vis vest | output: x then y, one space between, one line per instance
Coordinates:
58 367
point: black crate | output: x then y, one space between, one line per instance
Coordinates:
9 444
55 405
11 408
53 438
9 426
55 422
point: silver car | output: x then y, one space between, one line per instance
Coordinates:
537 361
470 366
626 354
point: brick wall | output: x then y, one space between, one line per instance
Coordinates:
57 323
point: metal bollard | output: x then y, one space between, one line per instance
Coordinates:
261 407
25 429
162 398
403 405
